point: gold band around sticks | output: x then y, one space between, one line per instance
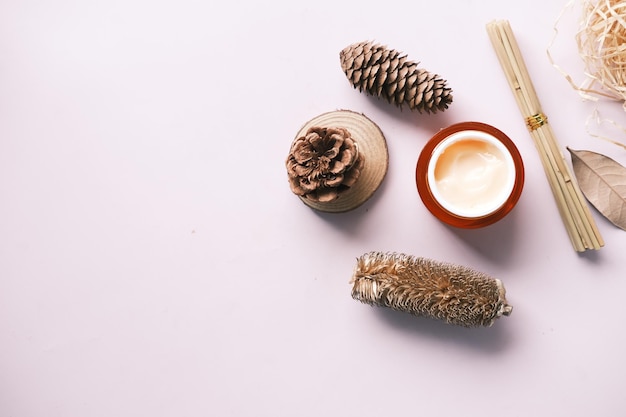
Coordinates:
536 121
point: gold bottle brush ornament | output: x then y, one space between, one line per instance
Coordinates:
423 287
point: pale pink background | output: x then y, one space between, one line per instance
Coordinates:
153 261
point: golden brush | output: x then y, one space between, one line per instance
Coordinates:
423 287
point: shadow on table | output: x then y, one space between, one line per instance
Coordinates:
350 222
489 340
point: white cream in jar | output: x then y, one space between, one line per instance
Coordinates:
471 173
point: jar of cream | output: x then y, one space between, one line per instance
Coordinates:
470 175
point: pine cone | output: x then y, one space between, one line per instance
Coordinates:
323 163
385 73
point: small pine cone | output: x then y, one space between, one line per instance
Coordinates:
383 72
323 163
423 287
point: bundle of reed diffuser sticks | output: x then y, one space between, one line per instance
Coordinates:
572 205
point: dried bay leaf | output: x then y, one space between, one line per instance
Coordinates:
603 182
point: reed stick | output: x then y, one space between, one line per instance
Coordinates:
573 209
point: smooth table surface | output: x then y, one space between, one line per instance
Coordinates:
154 262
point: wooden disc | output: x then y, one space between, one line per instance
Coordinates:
372 145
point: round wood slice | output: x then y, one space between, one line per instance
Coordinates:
372 145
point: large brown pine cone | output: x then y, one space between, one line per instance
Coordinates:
323 163
386 73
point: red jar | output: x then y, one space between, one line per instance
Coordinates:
470 175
